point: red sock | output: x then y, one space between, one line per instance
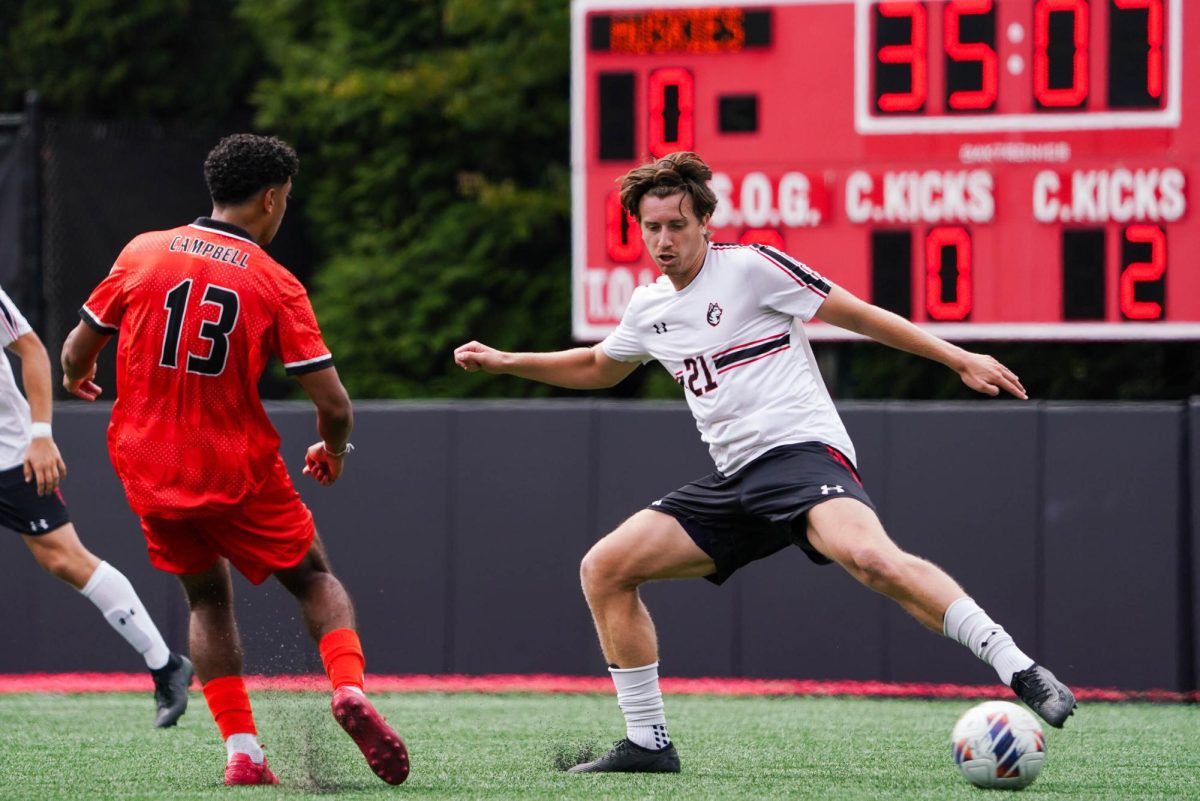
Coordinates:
342 655
230 705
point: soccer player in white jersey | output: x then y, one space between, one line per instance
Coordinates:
32 505
728 322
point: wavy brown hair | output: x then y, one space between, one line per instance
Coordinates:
673 173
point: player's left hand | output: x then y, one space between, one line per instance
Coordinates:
983 373
44 464
322 465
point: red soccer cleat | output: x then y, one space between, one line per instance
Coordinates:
240 769
379 743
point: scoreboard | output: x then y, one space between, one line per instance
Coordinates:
989 169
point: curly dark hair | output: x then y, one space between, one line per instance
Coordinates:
675 172
241 165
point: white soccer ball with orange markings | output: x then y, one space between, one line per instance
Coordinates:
998 744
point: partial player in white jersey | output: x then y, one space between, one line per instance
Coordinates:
32 505
728 322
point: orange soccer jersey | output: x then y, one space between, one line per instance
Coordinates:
199 310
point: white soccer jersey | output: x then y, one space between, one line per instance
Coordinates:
734 339
14 409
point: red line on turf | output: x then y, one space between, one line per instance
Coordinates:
546 683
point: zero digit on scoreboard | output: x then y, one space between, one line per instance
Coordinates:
991 169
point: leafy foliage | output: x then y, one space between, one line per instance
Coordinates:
1048 371
435 179
163 59
435 173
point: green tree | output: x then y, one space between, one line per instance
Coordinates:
435 137
435 176
435 179
160 59
1048 370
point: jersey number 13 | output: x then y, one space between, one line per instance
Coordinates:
215 331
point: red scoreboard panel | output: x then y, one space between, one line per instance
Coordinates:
989 169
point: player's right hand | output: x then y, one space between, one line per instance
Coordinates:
475 356
83 387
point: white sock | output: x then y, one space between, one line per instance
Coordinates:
116 599
969 625
243 744
641 702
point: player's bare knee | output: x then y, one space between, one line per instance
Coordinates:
602 571
878 568
202 599
57 562
208 591
310 572
593 574
302 583
62 559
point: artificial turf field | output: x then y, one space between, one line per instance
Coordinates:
513 746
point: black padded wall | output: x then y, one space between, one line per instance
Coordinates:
459 527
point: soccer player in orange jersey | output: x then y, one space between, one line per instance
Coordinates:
198 310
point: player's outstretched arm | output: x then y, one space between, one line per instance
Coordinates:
978 371
43 463
577 368
79 355
326 458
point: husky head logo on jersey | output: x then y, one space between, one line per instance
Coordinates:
714 313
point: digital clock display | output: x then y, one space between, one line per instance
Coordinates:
990 169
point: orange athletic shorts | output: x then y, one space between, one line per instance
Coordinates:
270 530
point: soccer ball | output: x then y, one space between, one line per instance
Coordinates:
998 744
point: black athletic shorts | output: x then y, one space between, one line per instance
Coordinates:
23 510
762 508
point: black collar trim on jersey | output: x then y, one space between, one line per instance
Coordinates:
225 228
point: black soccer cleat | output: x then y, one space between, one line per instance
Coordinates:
1044 694
171 683
628 757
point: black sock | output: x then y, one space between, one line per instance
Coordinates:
173 663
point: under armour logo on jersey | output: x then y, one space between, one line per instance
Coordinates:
714 313
826 489
660 328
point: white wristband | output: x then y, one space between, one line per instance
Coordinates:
349 447
39 430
